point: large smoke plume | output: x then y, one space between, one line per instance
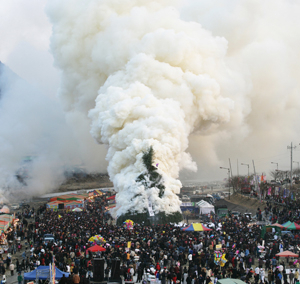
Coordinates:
155 79
38 146
151 73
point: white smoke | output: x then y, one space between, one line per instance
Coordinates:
151 73
155 78
37 142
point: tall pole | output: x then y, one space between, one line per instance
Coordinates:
237 168
275 171
231 173
228 172
256 185
247 166
291 175
229 182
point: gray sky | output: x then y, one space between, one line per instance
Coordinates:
25 33
271 123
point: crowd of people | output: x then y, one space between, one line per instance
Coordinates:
233 248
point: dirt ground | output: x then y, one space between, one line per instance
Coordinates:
244 204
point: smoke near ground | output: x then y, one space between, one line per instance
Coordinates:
38 146
217 79
158 73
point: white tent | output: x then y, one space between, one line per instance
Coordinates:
205 207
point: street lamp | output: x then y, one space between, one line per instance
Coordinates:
276 170
247 166
228 172
277 164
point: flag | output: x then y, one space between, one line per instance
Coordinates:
59 216
269 190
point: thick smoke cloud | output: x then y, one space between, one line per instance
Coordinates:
155 79
220 75
263 48
37 142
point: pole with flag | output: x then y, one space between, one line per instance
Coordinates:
52 271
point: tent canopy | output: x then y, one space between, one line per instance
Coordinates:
287 224
44 273
111 197
293 226
230 281
205 207
277 225
287 254
196 227
96 248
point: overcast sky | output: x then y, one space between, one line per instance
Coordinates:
24 47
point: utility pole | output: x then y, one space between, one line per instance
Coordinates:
256 185
228 172
238 175
247 166
231 174
277 169
291 175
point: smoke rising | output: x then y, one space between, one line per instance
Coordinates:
37 143
218 79
154 79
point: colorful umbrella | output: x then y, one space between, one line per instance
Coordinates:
96 248
293 226
287 254
196 227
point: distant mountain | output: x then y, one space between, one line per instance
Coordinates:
7 77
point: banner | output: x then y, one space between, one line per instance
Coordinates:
218 247
269 190
150 209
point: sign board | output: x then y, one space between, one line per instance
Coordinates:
187 204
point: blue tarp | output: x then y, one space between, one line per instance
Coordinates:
44 273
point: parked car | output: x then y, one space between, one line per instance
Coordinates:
248 216
15 206
235 213
185 198
48 238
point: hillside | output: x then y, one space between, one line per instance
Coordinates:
88 181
